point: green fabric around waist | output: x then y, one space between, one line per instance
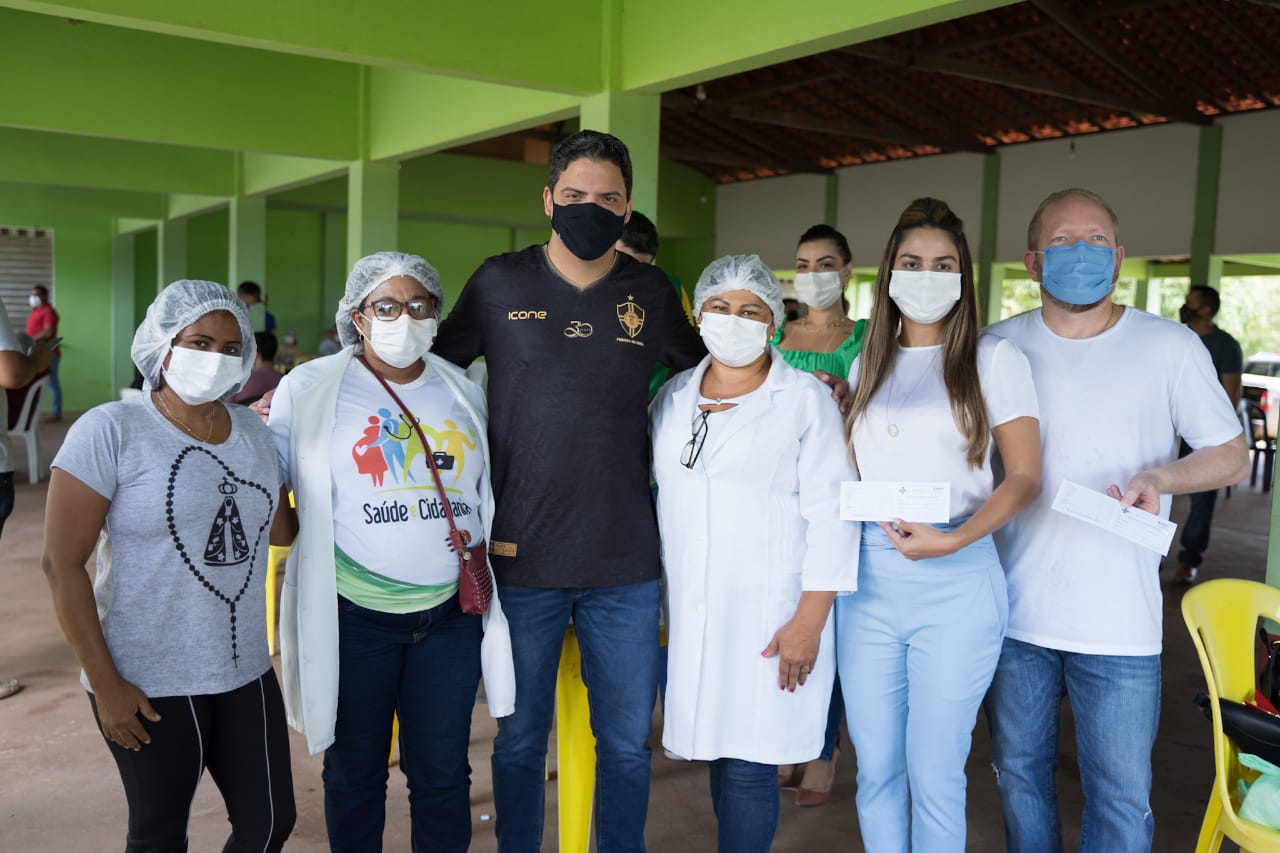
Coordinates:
386 595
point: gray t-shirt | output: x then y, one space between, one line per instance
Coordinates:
183 554
8 341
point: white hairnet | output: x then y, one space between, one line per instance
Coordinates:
739 272
178 306
371 271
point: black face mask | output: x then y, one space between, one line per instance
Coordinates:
1186 314
588 230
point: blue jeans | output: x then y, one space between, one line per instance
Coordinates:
1115 701
835 713
425 666
744 795
1195 530
916 647
617 628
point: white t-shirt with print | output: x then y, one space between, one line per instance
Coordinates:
1110 406
928 445
387 514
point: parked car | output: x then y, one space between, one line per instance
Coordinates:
1261 387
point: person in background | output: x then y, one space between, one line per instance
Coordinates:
329 343
17 369
288 354
1116 388
824 340
42 328
933 400
754 551
1198 313
639 238
264 376
176 492
250 293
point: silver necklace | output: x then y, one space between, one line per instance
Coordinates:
893 418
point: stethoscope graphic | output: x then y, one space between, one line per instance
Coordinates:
409 422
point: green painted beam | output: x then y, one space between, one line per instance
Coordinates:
261 173
670 43
990 273
128 226
34 157
373 192
553 48
95 80
39 198
185 204
411 113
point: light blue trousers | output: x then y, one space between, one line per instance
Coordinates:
917 646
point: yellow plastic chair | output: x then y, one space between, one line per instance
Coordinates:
1222 616
575 750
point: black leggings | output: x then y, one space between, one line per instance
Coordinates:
241 737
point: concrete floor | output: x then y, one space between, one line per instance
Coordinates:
59 790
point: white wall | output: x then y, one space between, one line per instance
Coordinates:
1249 185
873 197
767 217
1147 175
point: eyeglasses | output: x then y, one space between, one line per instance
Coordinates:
419 308
689 456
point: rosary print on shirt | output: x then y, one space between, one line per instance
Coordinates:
228 555
386 452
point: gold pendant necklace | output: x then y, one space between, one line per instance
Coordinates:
164 404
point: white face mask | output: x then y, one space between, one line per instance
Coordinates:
402 341
34 301
925 296
818 289
733 341
202 377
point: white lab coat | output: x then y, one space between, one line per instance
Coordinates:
308 608
751 527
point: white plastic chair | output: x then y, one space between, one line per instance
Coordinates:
27 426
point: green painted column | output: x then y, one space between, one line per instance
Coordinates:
122 324
373 208
171 252
335 263
635 119
1144 297
247 246
1204 269
990 274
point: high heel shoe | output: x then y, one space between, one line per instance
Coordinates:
807 796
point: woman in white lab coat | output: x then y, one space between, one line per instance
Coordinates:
748 458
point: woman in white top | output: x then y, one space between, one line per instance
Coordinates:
370 623
748 456
918 644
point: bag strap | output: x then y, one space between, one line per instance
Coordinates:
454 534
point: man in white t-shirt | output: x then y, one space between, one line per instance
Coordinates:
1117 388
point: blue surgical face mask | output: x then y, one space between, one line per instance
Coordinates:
1078 274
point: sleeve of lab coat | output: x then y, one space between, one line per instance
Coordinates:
831 545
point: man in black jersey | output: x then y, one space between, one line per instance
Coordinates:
570 331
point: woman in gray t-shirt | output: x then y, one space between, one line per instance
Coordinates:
177 492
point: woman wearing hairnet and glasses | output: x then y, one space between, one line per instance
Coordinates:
370 620
748 455
177 491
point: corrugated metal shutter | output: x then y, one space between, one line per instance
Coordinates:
26 259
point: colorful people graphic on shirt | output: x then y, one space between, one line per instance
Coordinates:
373 464
398 446
452 441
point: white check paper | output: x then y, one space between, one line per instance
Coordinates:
887 500
1138 526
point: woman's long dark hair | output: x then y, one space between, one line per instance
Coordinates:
959 337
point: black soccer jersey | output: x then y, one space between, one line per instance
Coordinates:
569 371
